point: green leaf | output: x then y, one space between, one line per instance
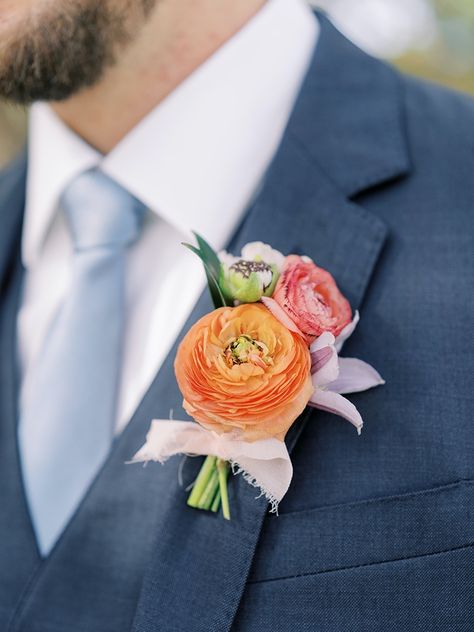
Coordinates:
216 293
209 255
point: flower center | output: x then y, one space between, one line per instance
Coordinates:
245 349
245 268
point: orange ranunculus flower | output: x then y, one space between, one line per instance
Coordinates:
239 369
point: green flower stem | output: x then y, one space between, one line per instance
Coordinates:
216 503
210 490
202 480
223 470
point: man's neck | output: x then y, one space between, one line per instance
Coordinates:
178 38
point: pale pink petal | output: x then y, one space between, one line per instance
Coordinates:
258 251
355 376
326 339
324 362
319 358
337 404
327 373
280 314
226 258
347 332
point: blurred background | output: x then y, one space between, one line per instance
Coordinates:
430 38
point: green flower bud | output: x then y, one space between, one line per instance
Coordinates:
248 281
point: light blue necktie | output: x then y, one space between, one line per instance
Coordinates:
68 413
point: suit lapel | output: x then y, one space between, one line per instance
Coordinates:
199 563
12 205
14 518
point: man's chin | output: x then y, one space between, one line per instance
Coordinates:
52 53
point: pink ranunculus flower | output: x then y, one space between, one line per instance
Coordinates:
331 375
310 297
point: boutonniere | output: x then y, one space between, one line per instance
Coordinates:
248 369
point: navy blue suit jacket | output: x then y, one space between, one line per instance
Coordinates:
374 180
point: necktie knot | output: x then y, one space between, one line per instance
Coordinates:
100 212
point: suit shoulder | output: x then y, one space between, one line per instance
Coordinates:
14 166
439 127
448 111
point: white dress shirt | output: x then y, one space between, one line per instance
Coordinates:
195 161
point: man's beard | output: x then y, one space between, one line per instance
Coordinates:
67 47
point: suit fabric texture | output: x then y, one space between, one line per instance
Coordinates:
374 181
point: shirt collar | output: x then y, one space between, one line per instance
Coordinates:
199 156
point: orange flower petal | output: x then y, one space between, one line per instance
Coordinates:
261 397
